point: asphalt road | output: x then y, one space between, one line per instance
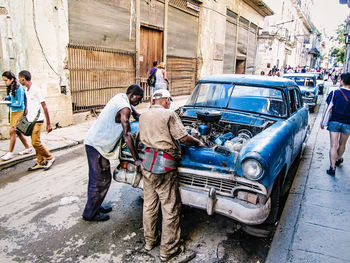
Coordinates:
40 221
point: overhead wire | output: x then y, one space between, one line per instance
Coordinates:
41 47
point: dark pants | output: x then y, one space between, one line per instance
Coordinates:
99 181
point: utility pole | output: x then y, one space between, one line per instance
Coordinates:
347 45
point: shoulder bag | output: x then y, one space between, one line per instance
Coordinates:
26 127
328 112
345 96
152 79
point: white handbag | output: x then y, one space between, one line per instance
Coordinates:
328 112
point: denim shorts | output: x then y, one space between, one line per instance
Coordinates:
335 126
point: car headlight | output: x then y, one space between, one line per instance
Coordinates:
252 169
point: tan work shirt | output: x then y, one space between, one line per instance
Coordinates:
160 129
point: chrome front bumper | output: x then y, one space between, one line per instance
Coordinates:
208 200
310 101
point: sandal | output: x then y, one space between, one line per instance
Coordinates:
331 171
339 161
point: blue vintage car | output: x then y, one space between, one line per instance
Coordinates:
308 85
319 82
254 128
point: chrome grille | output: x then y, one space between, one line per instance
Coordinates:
222 186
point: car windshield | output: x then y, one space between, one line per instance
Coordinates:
261 100
302 81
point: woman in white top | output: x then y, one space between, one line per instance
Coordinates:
161 78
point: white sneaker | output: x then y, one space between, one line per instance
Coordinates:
26 151
8 156
49 163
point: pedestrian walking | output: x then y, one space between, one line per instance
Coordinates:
160 131
335 76
16 95
161 78
152 77
34 106
103 142
339 122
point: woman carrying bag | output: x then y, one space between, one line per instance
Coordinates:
339 122
161 78
16 94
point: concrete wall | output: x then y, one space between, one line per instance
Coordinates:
212 37
37 42
213 29
102 23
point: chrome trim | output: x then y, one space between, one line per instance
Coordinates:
209 201
230 207
224 184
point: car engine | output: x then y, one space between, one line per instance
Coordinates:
214 133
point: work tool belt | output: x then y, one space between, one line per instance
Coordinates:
158 162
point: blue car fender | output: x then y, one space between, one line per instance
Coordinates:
272 148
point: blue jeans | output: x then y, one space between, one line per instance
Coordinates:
335 126
100 178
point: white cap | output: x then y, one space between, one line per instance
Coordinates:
161 94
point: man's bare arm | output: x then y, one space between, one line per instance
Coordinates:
190 140
125 121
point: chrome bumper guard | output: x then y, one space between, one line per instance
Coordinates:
309 101
209 201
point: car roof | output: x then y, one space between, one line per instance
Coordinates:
307 75
249 79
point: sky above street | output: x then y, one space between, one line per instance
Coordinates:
327 14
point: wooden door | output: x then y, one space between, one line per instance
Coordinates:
151 49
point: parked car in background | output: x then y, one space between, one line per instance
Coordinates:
254 127
307 83
319 81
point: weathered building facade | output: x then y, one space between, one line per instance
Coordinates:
84 52
34 37
286 38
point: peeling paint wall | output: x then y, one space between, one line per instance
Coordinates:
34 37
213 29
212 37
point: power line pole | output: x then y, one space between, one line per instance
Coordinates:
347 45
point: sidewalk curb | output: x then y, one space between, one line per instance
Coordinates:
27 157
284 235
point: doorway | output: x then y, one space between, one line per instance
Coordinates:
240 66
151 49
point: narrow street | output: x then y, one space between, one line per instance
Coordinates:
41 220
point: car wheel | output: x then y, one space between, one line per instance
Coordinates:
275 202
312 110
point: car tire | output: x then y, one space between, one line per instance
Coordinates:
275 202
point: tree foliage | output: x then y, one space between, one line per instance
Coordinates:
339 52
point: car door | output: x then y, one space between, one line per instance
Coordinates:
301 118
293 122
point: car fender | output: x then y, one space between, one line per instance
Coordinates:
272 146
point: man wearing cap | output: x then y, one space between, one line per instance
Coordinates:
161 130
